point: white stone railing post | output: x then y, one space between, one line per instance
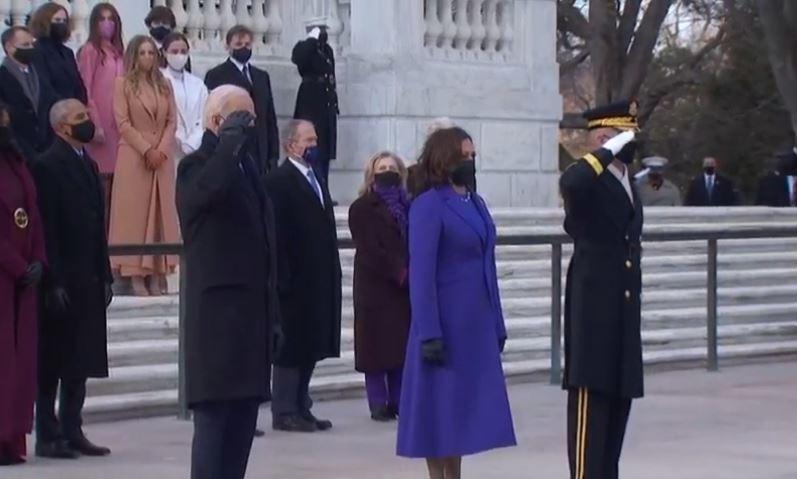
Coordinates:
211 27
480 30
227 20
275 27
194 26
19 11
180 15
242 16
79 17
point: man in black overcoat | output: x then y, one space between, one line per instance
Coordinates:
778 188
317 99
603 351
77 287
710 188
309 279
263 140
231 298
22 89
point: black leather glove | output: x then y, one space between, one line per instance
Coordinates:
108 294
33 274
236 124
434 352
58 299
501 344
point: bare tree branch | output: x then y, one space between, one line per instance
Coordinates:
628 24
641 53
781 40
568 65
686 75
570 19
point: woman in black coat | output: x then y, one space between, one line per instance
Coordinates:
378 224
55 62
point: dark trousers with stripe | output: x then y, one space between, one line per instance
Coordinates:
595 430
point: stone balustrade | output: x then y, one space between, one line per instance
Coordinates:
478 30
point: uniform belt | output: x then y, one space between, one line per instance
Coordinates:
318 79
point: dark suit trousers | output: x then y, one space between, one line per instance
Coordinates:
291 390
595 431
223 433
68 425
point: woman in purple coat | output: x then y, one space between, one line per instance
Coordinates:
454 400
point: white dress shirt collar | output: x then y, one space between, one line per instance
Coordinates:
622 177
238 64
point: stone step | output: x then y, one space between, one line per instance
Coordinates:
129 378
161 402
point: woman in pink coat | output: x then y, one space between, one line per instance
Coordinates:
100 61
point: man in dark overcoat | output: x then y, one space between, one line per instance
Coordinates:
317 99
710 188
603 350
778 188
263 140
77 288
25 94
309 279
231 298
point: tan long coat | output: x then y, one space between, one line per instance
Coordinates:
142 206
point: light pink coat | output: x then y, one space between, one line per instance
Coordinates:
99 72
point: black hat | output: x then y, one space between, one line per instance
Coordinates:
620 115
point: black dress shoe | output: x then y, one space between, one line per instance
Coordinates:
292 423
393 409
88 448
11 460
320 424
56 450
382 414
259 433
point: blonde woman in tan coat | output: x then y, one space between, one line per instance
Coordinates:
143 209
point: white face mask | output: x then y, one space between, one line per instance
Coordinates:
176 61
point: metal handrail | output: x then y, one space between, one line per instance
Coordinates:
709 234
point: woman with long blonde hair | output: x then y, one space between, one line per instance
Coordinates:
378 224
143 208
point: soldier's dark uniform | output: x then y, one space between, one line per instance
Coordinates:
603 351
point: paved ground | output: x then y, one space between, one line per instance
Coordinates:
740 423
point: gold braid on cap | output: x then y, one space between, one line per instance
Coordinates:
617 122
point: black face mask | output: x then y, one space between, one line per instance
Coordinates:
627 154
655 177
242 55
323 37
83 131
59 31
464 174
159 32
387 179
5 137
25 55
709 170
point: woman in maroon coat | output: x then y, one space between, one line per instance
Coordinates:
21 264
378 224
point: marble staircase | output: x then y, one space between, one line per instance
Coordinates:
757 309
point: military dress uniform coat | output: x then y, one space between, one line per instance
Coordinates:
71 200
317 100
603 350
309 274
230 299
265 145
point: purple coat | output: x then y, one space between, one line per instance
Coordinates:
462 407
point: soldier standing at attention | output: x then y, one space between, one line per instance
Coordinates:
603 350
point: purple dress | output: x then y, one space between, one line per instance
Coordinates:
462 407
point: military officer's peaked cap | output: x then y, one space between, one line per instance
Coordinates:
655 162
621 115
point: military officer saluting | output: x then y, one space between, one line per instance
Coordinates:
603 350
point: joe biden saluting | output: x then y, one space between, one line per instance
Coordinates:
226 220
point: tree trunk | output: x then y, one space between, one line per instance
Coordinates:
780 26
